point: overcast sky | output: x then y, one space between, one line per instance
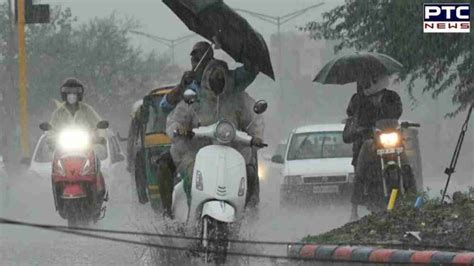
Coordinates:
158 20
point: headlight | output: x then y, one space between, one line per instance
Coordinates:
389 139
261 173
293 180
225 132
74 139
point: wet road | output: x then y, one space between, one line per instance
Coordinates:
30 199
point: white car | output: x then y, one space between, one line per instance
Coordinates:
40 164
316 165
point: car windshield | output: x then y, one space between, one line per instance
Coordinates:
157 119
45 153
318 145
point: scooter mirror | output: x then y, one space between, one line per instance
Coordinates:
260 107
103 124
189 96
45 126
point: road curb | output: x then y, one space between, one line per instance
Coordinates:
378 255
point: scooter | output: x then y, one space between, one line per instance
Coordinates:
219 187
77 182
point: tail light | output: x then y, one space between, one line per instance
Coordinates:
242 187
87 168
58 168
199 184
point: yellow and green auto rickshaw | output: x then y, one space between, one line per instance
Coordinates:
147 141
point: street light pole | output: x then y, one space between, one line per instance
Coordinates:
170 43
279 21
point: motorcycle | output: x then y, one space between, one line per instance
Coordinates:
219 187
78 185
393 170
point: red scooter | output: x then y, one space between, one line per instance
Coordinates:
78 184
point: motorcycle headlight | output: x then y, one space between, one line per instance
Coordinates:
74 139
225 132
389 139
293 180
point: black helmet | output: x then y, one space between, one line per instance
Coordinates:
72 85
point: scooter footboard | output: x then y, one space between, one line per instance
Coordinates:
219 210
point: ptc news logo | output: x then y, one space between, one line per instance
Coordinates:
446 18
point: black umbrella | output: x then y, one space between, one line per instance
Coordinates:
351 68
214 19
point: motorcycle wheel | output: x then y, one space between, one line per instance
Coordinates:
217 234
140 179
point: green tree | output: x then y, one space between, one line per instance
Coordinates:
445 62
99 52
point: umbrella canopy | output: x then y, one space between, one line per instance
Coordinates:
213 18
351 68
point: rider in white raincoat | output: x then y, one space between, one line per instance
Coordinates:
217 100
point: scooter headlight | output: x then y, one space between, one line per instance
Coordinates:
225 132
74 139
389 140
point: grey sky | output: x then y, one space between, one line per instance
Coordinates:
158 20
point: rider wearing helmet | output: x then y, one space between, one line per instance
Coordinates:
73 110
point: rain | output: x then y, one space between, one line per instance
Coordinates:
116 60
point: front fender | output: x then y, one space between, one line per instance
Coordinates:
219 210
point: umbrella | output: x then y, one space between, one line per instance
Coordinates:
214 19
350 68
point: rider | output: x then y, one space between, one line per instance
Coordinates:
201 54
372 102
74 111
217 100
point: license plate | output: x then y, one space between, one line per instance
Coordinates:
325 189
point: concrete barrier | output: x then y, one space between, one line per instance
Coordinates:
378 255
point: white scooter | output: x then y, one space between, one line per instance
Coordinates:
219 186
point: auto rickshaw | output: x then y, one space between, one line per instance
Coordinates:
149 142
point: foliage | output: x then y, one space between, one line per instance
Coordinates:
394 27
446 225
99 53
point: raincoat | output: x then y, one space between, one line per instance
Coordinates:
241 79
366 109
84 116
235 107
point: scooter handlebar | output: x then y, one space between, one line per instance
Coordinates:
408 124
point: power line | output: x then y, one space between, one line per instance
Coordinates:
240 241
177 248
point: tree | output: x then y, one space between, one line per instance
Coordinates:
99 53
394 27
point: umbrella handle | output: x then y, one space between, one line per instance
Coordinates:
202 58
216 42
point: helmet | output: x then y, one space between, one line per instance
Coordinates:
72 85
